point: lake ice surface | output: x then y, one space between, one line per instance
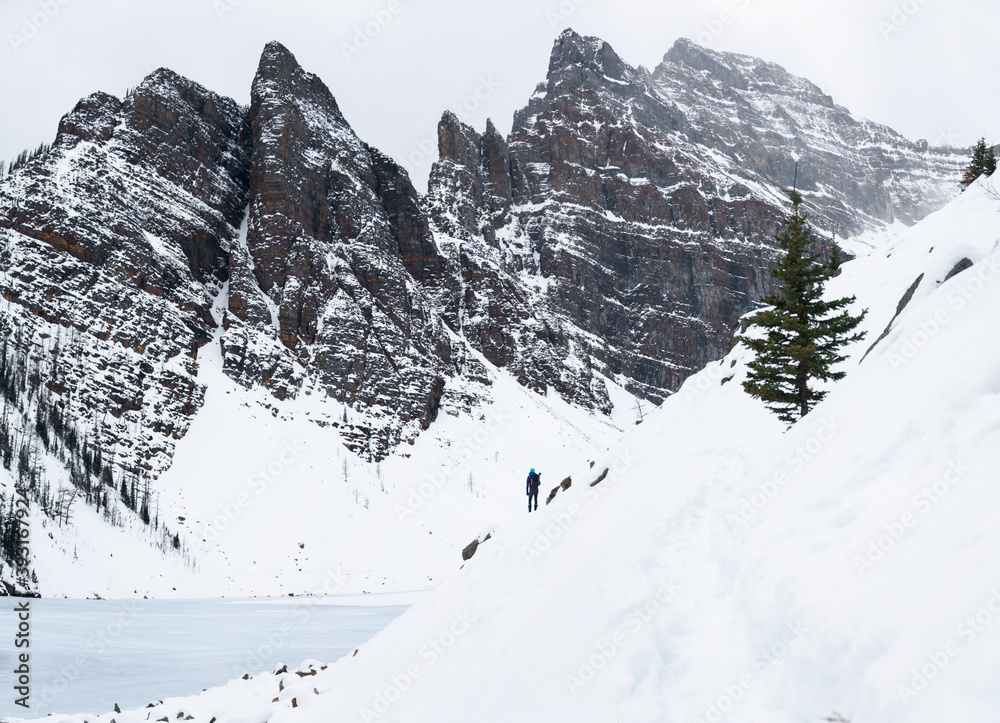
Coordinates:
88 655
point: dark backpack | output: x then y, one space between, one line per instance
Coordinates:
536 480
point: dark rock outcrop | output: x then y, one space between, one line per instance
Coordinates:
958 268
492 307
331 276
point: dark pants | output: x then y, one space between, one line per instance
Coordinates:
532 495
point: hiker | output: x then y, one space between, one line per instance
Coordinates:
532 485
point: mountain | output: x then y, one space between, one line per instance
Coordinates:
174 247
327 287
642 205
762 122
114 246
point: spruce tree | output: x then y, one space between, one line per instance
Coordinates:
144 510
803 333
984 163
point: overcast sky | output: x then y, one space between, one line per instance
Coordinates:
927 68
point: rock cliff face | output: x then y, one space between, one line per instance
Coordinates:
113 245
495 309
638 209
618 232
327 288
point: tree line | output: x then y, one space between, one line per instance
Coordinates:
24 158
38 427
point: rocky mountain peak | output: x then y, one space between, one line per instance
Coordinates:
457 141
578 56
635 193
115 242
332 285
279 75
763 122
93 119
278 62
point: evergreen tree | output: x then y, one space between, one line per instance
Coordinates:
144 510
984 163
803 333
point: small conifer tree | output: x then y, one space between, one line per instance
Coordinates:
803 333
984 163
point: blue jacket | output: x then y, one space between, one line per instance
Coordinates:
532 483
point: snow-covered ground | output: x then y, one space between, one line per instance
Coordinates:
726 569
93 654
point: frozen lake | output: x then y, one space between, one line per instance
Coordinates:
88 655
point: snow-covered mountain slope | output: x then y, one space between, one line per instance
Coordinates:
288 509
725 569
758 121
